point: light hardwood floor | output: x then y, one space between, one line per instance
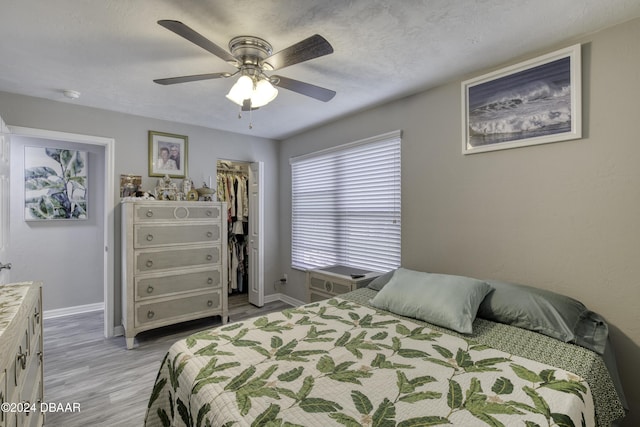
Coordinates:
113 384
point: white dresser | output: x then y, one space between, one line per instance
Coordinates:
21 368
174 257
327 282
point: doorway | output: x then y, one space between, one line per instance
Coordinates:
239 184
101 154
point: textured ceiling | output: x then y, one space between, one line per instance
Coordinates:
111 50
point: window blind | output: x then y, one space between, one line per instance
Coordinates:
346 205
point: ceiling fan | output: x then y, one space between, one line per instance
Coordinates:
253 57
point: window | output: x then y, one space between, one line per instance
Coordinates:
346 205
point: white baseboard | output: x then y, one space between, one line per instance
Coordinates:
284 298
69 311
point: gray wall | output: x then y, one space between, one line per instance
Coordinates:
562 216
58 252
131 156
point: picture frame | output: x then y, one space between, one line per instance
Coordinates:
538 101
130 185
163 147
56 185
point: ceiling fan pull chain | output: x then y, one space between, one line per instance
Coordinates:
250 118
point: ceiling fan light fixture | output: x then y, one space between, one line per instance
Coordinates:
260 94
241 90
263 94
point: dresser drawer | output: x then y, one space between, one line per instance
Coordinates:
330 281
165 211
12 419
156 260
170 309
3 397
165 284
150 235
318 296
32 395
33 379
18 364
34 325
36 419
328 286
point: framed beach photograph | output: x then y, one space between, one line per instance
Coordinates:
167 154
533 102
55 184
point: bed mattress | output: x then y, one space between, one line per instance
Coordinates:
342 362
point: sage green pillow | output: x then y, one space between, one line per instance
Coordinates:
545 312
380 281
440 299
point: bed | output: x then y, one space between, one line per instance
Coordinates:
347 361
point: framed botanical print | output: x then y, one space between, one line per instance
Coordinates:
55 183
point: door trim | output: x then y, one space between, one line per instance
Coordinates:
255 293
5 209
109 206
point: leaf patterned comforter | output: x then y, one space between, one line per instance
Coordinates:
339 362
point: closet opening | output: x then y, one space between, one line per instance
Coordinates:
232 187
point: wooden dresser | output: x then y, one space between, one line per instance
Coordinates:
174 257
21 368
327 282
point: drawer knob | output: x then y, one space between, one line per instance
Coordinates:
150 314
328 286
149 237
149 289
210 280
209 303
209 213
209 257
149 213
209 234
149 263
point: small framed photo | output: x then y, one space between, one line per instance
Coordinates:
533 102
167 154
130 185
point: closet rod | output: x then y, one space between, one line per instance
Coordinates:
222 170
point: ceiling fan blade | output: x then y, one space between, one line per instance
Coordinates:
184 31
194 78
317 92
309 48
